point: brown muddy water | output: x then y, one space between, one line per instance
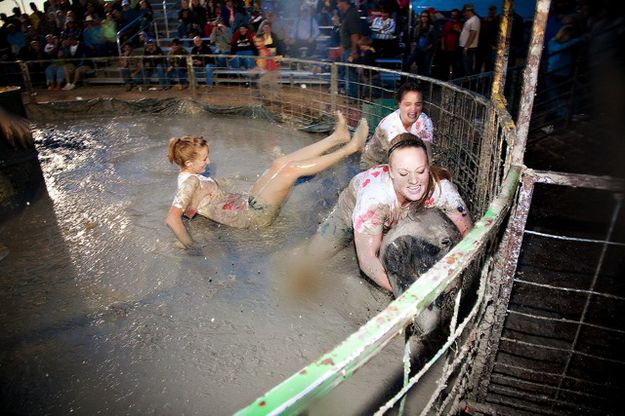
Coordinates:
102 314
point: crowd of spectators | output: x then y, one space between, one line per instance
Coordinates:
444 45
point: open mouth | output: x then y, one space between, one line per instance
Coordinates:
414 190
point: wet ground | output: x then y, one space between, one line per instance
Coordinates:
102 313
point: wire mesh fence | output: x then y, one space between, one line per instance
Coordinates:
558 350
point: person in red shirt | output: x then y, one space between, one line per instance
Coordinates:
449 44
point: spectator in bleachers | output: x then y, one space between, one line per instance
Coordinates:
240 16
184 22
469 39
76 65
272 41
34 52
128 22
109 34
147 16
131 68
325 12
37 16
426 40
202 63
366 56
350 32
177 64
16 38
256 19
92 37
71 30
154 64
46 26
449 45
264 53
383 30
227 14
212 10
54 71
198 13
487 45
302 39
242 44
91 11
221 39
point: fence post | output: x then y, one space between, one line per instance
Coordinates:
334 85
27 81
191 76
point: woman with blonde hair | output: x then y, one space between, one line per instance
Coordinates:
198 194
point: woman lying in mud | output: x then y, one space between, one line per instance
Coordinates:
377 199
198 194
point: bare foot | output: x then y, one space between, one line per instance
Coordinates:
341 132
357 143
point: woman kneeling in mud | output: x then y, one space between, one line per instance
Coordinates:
376 199
203 195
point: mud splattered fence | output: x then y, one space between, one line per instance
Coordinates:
556 346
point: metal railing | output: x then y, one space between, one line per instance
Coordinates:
138 33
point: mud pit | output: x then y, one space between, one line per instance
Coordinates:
102 314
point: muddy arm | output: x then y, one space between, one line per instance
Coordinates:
367 247
174 221
461 221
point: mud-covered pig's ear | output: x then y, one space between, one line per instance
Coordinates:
406 258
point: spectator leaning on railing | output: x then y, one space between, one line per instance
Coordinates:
242 44
177 63
202 63
154 64
131 68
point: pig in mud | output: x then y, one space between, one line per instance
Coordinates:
414 245
409 250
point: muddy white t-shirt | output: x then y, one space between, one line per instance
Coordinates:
370 202
376 150
201 194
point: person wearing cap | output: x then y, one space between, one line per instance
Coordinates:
154 64
242 44
92 37
377 199
202 62
469 39
129 16
177 63
76 66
